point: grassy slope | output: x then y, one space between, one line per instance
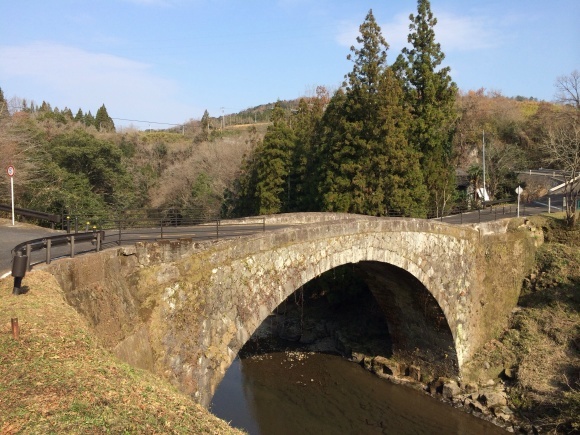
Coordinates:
57 379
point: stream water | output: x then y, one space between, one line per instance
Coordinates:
314 393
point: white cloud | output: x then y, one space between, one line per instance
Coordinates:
456 33
347 33
453 32
79 78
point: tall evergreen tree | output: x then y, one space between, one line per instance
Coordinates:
367 165
241 199
431 95
45 107
89 119
103 122
203 135
79 116
3 105
305 121
274 164
68 114
264 185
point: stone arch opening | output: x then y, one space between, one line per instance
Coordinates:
363 311
333 313
418 328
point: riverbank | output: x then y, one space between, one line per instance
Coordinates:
56 378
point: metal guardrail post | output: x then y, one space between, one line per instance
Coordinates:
72 246
28 251
48 245
19 263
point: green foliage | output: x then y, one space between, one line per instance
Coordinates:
3 105
80 173
303 177
204 134
273 162
160 150
367 165
79 117
128 146
89 119
203 197
103 122
264 185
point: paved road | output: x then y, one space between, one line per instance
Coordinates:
10 236
502 212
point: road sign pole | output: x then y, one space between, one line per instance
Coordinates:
519 190
10 171
12 196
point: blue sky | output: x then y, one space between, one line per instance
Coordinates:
169 60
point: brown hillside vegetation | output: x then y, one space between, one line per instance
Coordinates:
57 379
539 351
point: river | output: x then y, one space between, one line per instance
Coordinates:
294 392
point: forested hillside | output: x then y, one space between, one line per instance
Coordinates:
389 141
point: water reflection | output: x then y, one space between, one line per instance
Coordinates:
298 393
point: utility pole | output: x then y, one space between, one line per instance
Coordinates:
483 143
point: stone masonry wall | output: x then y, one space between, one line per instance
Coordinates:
184 309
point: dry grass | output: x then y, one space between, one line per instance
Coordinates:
57 379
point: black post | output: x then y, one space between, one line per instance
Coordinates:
48 246
19 263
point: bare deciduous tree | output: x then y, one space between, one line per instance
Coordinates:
563 151
569 89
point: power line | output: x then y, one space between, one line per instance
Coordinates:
149 122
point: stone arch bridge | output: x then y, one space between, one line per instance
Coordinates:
184 309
